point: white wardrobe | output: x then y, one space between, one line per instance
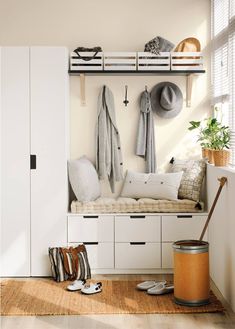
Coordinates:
34 94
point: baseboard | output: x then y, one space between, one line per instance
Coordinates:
132 271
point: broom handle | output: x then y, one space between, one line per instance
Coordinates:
222 181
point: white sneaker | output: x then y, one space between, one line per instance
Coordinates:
76 285
92 288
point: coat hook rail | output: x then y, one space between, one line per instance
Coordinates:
189 86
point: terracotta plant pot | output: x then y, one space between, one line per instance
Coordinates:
210 156
205 153
221 158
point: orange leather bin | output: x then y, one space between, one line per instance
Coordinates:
191 272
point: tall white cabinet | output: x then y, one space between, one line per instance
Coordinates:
34 119
15 166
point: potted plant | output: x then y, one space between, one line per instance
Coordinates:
220 146
214 139
211 130
206 129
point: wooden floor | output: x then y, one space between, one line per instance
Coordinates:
130 321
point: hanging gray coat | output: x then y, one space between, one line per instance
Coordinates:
146 137
108 147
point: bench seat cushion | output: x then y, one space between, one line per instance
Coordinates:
129 205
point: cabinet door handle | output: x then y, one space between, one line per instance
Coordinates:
33 161
137 243
90 216
184 216
90 243
136 216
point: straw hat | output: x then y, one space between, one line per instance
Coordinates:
188 44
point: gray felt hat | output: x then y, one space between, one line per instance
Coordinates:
166 99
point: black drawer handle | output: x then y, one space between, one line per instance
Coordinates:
90 216
184 216
90 243
137 216
137 243
33 161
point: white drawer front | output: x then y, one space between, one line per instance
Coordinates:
101 255
167 255
90 228
132 256
182 227
137 228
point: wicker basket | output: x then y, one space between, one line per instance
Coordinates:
205 153
210 156
221 158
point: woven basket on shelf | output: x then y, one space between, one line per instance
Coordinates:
221 158
210 156
205 153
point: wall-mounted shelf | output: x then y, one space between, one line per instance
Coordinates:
160 72
186 64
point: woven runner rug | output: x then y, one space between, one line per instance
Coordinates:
46 297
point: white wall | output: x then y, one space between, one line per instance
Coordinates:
123 25
222 232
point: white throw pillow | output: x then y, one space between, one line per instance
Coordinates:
84 179
155 186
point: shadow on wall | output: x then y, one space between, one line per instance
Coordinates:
178 142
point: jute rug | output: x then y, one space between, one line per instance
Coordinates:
46 297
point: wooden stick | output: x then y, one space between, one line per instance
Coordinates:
222 181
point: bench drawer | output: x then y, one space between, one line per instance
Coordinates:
90 228
100 254
137 256
167 255
137 228
182 227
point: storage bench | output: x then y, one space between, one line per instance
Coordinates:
132 243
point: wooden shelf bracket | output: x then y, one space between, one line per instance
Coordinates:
82 89
189 87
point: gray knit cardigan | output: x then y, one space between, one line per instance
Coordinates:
109 163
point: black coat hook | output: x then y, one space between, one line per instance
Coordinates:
126 100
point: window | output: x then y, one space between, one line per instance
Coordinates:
223 63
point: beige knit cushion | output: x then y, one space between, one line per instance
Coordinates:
191 182
129 205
